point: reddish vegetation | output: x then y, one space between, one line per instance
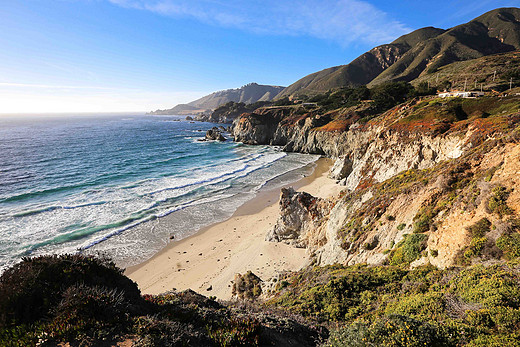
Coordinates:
336 125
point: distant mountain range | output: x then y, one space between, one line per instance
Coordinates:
412 57
421 52
248 94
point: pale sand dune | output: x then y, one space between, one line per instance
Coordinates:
214 255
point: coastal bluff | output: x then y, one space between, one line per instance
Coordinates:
407 181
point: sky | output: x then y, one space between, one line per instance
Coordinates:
142 55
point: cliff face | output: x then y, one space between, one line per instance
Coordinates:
375 151
416 184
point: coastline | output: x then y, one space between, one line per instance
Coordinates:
211 257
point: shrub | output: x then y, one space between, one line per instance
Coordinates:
388 95
94 311
509 244
389 331
32 288
409 249
492 286
370 245
497 202
423 219
480 228
475 247
236 332
247 286
428 305
401 226
496 340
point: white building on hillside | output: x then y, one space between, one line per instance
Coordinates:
460 94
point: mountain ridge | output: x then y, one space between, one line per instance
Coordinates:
420 52
248 94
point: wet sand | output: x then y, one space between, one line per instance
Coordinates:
212 257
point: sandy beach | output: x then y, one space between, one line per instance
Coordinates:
211 258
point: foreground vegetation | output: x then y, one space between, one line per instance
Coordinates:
392 306
87 301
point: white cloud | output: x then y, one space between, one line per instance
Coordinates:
343 21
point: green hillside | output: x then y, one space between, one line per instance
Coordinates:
421 52
363 69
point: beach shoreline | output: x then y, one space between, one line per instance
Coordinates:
207 261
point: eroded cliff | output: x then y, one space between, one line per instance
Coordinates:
419 180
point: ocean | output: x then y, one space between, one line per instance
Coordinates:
83 183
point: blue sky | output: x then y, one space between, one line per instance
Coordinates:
139 55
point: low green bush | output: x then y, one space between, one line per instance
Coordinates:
31 289
409 249
394 330
509 243
475 247
480 228
497 202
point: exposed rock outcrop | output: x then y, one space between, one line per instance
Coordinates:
373 151
438 207
300 215
215 134
341 169
415 183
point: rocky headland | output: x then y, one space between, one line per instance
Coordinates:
421 169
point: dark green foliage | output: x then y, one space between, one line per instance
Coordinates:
283 102
424 219
32 288
388 95
89 301
409 249
423 89
480 228
232 110
497 202
344 97
478 240
475 247
394 330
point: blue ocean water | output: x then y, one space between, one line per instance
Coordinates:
83 183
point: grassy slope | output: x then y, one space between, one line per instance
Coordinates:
361 70
420 52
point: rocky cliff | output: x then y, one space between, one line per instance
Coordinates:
419 178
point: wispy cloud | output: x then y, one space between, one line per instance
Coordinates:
342 21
